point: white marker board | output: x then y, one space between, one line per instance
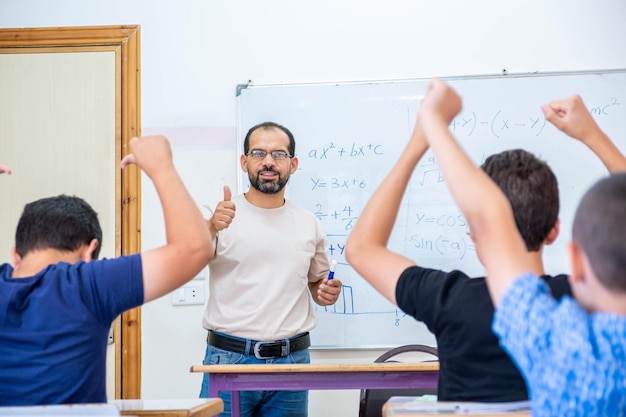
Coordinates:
349 135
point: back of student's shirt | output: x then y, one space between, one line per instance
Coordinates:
457 309
54 328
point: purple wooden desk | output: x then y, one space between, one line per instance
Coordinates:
236 378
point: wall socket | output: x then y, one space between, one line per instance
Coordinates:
188 294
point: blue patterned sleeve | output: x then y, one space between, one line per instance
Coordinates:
524 322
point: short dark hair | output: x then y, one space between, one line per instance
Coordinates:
600 230
62 222
269 126
531 188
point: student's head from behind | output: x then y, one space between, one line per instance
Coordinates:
62 223
532 189
268 157
598 248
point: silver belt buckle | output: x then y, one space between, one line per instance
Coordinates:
258 345
257 351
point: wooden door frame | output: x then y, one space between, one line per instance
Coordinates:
127 328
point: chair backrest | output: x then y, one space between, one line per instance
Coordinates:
372 400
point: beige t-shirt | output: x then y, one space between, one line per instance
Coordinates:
258 282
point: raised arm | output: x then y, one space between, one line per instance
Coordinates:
188 248
488 212
4 169
572 117
366 248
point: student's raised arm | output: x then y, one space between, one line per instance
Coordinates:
366 248
487 210
572 117
4 169
188 248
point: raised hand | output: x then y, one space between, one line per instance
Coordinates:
571 116
440 104
150 153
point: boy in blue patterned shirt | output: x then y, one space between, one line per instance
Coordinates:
571 353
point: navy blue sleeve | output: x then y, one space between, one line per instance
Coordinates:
113 285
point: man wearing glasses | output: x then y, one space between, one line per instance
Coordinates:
271 256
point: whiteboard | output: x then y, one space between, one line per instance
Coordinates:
349 135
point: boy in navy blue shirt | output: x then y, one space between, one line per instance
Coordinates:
57 301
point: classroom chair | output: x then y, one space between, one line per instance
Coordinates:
372 400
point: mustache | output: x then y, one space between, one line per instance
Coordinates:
259 172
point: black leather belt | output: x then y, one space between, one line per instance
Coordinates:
262 350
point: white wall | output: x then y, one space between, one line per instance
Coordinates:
194 53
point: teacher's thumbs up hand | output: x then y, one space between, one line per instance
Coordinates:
224 213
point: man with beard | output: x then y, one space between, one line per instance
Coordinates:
270 255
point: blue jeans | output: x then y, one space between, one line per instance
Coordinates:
259 403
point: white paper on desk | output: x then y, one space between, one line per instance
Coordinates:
62 410
496 407
456 407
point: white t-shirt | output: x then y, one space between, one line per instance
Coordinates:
258 282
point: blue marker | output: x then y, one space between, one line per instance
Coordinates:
331 273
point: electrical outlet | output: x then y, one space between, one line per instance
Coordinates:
188 294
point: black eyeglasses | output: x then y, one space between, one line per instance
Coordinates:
260 154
